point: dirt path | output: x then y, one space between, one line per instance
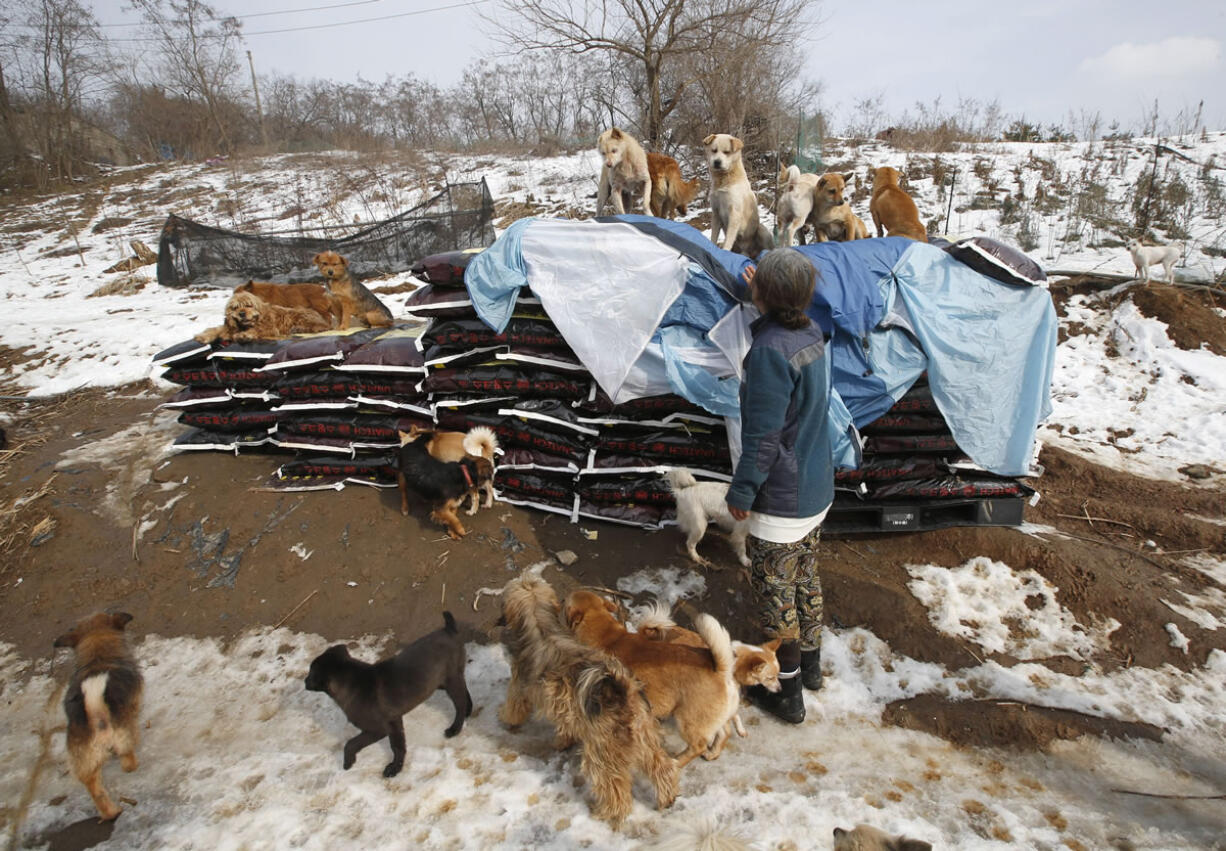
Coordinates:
191 546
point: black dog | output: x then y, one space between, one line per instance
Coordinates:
375 697
444 483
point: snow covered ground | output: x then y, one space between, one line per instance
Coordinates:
238 755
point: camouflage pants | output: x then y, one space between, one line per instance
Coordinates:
787 589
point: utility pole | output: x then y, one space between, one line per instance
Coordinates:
255 86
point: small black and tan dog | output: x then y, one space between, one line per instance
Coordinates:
102 703
376 697
444 483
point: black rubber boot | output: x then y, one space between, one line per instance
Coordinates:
787 704
811 669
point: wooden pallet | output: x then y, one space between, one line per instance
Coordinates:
853 516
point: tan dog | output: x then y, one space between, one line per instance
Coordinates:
102 703
624 174
734 207
249 318
669 191
795 204
832 217
892 209
357 302
693 685
868 838
588 696
314 297
456 446
753 665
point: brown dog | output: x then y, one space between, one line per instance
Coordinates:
314 297
588 696
669 191
694 685
892 209
102 703
455 446
832 217
249 318
357 302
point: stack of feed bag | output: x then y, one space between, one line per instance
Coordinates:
914 476
565 447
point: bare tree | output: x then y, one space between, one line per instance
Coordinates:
199 55
655 36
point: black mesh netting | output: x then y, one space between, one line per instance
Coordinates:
460 216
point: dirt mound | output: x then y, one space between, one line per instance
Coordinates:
1007 723
1189 315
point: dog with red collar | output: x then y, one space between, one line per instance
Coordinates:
444 484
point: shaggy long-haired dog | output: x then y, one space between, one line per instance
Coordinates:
691 684
314 297
102 703
444 483
249 317
357 302
587 695
455 446
702 503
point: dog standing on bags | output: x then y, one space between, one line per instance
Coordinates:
795 204
357 303
1145 257
102 703
670 192
892 209
624 175
375 698
698 505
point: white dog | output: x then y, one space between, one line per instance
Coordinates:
1146 256
623 172
734 207
795 203
700 503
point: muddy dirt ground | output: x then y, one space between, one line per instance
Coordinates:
97 516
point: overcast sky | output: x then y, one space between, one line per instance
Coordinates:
1041 58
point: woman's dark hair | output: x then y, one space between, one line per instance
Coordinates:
783 286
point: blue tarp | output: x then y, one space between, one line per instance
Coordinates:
892 308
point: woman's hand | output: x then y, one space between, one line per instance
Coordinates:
737 513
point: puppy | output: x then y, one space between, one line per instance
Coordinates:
699 504
376 697
249 317
892 209
753 665
357 303
588 696
443 483
1146 256
832 217
623 172
315 297
795 204
734 207
456 446
867 838
669 191
693 685
102 703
